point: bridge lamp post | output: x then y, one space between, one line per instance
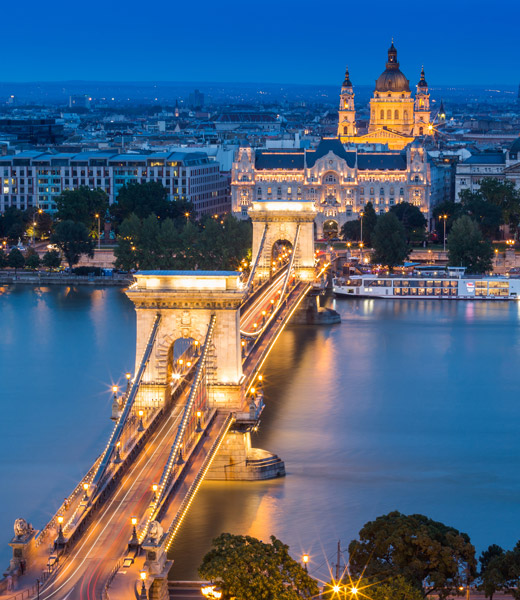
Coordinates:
118 458
114 389
305 560
197 347
155 487
134 542
143 595
140 426
85 489
128 377
199 427
243 344
60 540
263 317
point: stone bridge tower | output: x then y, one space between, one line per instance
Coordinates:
280 221
186 300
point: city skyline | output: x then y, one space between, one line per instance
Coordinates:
468 45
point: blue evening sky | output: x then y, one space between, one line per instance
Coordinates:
286 41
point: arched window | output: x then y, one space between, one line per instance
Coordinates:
259 192
381 191
405 115
345 130
421 130
371 191
389 114
391 191
382 114
396 115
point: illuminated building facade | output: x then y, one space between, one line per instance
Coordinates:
340 182
396 118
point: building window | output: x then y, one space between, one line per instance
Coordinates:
289 191
371 191
382 114
391 191
269 191
381 191
405 115
401 192
396 115
389 114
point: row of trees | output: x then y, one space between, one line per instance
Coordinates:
31 260
409 557
392 234
154 243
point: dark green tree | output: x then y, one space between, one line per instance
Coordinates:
467 248
389 241
129 239
492 570
3 259
351 230
249 569
15 260
413 220
394 588
32 259
453 210
486 214
505 196
51 259
432 557
72 238
12 223
82 206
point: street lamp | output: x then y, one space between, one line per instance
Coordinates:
361 214
444 217
85 489
98 232
142 595
140 426
305 560
114 389
60 540
199 427
155 487
134 542
128 377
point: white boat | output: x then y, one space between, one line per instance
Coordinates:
429 283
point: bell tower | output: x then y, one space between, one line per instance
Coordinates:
347 111
422 124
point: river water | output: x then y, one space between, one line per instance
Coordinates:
408 405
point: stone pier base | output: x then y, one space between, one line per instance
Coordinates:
311 313
237 461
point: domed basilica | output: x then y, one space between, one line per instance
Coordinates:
396 118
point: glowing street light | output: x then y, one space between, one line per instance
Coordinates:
305 560
128 377
98 232
444 217
85 489
60 540
142 595
155 487
134 542
199 427
141 426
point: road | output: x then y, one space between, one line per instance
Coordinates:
90 563
253 313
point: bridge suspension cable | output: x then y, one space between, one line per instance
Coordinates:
257 332
118 429
257 259
163 489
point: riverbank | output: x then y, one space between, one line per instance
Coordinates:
61 278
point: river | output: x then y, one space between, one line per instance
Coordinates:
407 405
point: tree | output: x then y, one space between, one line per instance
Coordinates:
51 259
412 219
3 259
389 241
432 557
396 588
72 238
505 196
249 569
82 206
351 230
486 214
16 260
467 248
32 259
492 575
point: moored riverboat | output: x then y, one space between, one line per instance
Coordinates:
434 283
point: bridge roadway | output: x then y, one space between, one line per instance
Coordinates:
84 571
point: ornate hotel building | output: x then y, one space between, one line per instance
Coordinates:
342 181
396 118
339 182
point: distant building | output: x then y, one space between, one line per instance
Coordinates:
79 101
33 131
340 182
249 121
196 100
31 179
504 166
443 169
396 118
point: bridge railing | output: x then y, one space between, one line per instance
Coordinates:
257 259
190 495
197 400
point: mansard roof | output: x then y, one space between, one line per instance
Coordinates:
327 145
486 158
279 159
382 161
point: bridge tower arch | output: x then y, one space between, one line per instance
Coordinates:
275 220
186 301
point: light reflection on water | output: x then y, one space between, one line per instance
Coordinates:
408 405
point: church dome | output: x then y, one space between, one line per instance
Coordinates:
392 79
